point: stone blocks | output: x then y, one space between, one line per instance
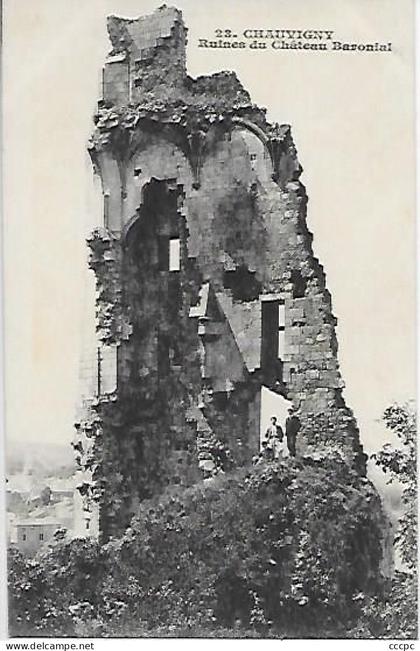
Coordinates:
196 161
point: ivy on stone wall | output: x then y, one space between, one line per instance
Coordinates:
113 324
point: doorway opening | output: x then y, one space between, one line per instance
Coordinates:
272 404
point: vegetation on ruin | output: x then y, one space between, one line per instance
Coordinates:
287 549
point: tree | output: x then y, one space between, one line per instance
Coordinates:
34 607
278 549
394 614
45 496
400 464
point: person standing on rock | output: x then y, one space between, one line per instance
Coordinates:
274 437
292 429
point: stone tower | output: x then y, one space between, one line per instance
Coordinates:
207 285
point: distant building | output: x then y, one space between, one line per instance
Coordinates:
61 488
11 528
32 534
14 499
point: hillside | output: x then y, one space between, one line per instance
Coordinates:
42 460
279 550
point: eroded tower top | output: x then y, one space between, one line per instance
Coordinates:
148 54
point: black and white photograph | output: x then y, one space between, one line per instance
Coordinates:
209 308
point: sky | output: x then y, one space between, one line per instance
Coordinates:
353 124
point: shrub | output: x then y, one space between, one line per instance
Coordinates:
274 550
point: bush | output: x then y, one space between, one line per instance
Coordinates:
34 607
275 550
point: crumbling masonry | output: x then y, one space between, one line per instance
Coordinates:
207 285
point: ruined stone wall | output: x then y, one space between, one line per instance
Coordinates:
148 52
196 160
145 435
311 370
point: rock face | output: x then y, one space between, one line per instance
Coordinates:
208 287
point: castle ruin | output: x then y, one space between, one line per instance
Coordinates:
207 285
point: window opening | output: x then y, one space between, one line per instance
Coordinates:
282 332
174 254
299 284
270 332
